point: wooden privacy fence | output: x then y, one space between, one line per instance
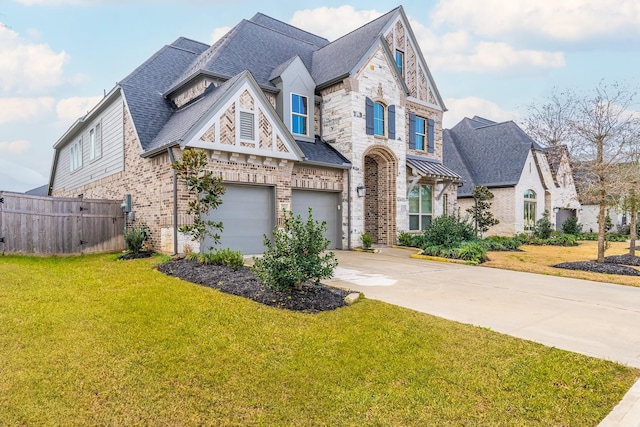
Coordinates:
56 225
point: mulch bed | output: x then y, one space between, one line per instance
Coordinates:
599 267
242 282
141 254
625 259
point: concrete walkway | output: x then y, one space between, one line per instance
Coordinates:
592 318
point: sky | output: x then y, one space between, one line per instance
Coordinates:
491 58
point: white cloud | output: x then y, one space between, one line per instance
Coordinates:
26 66
495 57
218 33
332 22
568 20
459 108
76 107
17 177
14 147
20 109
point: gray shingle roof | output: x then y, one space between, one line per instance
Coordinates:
321 152
431 168
43 190
143 88
290 30
340 57
183 119
250 46
490 154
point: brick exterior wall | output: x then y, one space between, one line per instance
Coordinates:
503 208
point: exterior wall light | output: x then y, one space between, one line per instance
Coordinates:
556 209
362 191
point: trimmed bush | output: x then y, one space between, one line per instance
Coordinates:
572 226
367 240
612 237
448 231
405 239
134 237
543 228
473 251
555 240
502 243
294 257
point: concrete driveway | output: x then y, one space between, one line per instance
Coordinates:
596 319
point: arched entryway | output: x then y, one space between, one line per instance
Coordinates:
380 173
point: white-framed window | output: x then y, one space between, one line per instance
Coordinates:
400 62
75 155
299 114
95 142
247 127
420 207
529 210
445 204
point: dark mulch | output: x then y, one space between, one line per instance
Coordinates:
242 282
625 259
141 254
599 267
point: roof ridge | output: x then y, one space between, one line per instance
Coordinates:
285 34
362 26
288 25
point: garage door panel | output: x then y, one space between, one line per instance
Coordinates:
247 213
324 207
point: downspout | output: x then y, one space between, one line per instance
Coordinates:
175 204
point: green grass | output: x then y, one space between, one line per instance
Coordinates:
94 341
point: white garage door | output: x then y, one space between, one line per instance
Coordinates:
247 214
325 207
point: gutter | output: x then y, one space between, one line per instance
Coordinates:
175 204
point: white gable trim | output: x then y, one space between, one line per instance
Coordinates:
214 117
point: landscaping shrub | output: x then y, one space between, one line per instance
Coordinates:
405 239
226 256
294 257
367 240
543 228
473 251
134 237
448 231
572 226
612 237
502 243
556 239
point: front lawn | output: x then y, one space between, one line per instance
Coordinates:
540 259
94 341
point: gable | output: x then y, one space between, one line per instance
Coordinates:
400 38
244 122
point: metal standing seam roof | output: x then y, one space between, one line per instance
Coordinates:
431 168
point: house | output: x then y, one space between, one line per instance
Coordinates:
351 128
525 178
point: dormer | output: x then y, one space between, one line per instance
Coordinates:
295 101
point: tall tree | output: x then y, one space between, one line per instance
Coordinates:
601 132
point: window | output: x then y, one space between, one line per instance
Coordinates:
247 131
420 207
75 155
95 143
445 204
400 62
378 119
421 132
299 114
529 210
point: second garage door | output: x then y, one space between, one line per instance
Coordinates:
325 207
247 213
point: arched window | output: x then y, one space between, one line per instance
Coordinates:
529 210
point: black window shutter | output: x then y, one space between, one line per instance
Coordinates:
392 121
369 116
412 131
431 147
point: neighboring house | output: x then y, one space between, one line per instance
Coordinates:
38 191
525 178
351 128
